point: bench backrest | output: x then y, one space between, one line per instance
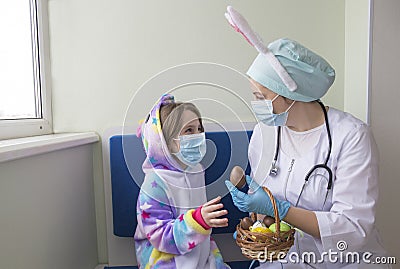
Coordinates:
224 150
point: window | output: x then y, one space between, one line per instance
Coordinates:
25 107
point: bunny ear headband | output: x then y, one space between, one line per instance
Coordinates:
239 23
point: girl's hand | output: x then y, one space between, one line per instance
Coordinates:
211 211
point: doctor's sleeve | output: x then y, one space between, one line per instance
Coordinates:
355 192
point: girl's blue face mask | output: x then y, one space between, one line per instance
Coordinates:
192 148
264 111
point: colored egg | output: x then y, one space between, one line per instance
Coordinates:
260 230
283 227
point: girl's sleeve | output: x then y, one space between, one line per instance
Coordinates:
164 231
217 255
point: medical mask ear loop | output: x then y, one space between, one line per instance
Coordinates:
277 95
287 110
273 99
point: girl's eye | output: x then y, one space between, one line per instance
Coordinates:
189 130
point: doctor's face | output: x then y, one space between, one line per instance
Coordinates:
260 92
280 104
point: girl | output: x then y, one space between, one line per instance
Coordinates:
174 219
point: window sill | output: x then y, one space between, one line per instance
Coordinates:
29 146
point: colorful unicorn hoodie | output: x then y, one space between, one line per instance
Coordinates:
170 232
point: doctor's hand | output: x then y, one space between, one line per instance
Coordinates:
257 200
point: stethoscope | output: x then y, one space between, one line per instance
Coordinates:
274 168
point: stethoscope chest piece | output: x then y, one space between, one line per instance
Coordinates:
274 169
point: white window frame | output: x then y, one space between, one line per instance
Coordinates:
32 127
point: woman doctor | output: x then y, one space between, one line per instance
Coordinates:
324 175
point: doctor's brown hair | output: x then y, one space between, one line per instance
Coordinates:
170 119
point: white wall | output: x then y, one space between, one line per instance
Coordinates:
356 58
47 211
385 98
103 51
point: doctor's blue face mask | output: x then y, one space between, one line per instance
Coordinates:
264 111
192 148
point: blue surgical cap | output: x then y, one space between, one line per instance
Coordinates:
312 74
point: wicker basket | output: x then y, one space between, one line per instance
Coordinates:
265 246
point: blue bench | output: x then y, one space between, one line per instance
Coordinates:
224 150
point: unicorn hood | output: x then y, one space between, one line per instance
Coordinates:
185 187
158 154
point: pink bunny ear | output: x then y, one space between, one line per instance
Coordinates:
242 26
228 17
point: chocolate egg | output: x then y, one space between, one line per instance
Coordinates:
245 223
268 221
237 177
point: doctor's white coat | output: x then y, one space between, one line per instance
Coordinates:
347 220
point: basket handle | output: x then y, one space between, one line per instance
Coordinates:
276 213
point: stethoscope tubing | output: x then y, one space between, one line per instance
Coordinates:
275 169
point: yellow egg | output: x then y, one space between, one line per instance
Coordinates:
260 230
283 227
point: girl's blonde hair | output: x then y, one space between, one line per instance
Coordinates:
171 119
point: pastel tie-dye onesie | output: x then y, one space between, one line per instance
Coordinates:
169 234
